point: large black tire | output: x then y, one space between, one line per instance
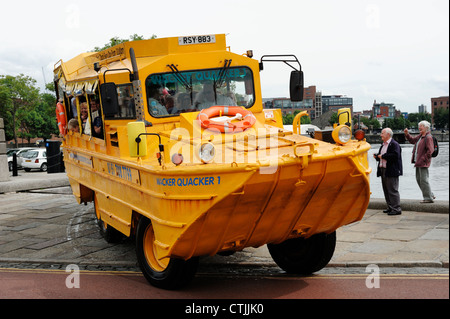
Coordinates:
304 255
109 233
170 273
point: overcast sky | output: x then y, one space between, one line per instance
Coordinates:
393 51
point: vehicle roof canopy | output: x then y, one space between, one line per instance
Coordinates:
81 67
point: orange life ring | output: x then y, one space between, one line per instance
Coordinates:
248 119
61 118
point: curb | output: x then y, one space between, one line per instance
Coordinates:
27 184
353 264
413 205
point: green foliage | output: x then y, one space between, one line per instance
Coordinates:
333 119
415 118
370 123
26 112
398 123
288 119
116 40
441 118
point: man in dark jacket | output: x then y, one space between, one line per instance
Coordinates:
390 167
421 157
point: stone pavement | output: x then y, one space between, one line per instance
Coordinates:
49 227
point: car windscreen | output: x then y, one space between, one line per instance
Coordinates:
30 154
172 93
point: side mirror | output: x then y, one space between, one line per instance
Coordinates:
296 86
137 145
110 101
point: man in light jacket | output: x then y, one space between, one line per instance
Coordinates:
421 157
389 168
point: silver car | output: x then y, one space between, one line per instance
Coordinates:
19 152
35 159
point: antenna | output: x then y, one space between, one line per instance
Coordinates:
45 81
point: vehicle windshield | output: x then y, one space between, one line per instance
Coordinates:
169 94
30 154
21 153
11 152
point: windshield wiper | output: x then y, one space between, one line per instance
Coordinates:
222 73
180 78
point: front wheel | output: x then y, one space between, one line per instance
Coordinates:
304 255
164 273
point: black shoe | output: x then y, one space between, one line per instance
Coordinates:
392 213
386 211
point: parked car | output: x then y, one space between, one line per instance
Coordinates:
19 152
35 159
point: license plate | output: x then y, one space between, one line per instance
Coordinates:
197 39
28 161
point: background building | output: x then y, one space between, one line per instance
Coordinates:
382 110
335 102
438 102
313 102
422 108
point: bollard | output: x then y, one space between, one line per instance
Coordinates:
14 166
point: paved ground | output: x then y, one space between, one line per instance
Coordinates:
49 227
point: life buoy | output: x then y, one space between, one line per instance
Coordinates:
246 116
61 118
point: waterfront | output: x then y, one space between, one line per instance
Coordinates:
439 174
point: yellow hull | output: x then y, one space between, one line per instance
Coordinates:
205 209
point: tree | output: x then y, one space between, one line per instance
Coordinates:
370 123
41 121
288 119
116 40
415 118
398 123
18 96
441 118
333 118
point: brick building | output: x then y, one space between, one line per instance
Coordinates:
438 102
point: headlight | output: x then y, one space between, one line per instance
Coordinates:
207 152
341 134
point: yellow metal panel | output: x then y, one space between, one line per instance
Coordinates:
134 131
114 212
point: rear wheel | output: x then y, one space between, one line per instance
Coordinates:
164 273
304 255
109 233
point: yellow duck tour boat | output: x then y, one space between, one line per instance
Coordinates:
168 137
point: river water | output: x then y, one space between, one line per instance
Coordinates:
439 173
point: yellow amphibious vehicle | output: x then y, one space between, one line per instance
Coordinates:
168 137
